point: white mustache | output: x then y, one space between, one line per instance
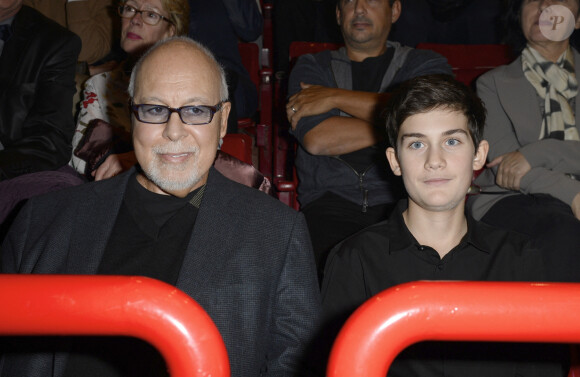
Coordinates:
175 148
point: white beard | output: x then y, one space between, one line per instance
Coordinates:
169 177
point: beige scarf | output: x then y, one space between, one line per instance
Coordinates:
556 84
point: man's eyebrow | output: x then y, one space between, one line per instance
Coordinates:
150 99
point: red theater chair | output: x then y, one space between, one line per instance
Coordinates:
262 130
470 61
239 146
120 306
453 311
268 34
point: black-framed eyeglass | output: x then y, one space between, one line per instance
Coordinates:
159 114
149 17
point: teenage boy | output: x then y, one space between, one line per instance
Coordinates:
434 125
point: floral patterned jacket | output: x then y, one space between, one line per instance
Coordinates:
104 97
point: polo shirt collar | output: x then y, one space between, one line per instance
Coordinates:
401 238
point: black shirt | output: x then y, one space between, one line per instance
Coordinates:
367 76
386 254
149 238
150 235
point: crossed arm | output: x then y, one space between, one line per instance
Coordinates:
316 108
337 134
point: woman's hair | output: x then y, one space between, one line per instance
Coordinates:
434 92
178 14
178 11
512 22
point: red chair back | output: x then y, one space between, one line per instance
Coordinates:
239 146
262 131
300 48
470 61
457 311
268 34
116 305
250 54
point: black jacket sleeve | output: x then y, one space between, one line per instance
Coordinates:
37 76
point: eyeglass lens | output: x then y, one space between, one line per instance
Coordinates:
149 17
188 114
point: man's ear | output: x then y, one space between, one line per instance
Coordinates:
337 15
226 107
395 11
393 161
480 155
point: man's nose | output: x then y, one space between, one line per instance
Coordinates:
174 128
359 6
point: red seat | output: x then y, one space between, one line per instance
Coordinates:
453 311
268 35
299 48
470 61
262 130
140 307
239 146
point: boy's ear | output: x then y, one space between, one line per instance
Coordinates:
480 155
393 161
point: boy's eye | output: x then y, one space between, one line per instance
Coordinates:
416 145
452 142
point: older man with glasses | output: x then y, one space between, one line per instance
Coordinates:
243 256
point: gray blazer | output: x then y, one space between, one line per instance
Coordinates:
513 123
249 264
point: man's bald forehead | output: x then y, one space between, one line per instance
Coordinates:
170 53
177 49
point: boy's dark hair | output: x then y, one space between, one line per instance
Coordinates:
339 3
426 93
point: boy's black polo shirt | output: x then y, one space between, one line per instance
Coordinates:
386 254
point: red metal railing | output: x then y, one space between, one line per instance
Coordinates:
461 311
116 305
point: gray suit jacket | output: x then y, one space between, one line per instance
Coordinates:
513 123
249 264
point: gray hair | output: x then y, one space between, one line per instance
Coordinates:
195 45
